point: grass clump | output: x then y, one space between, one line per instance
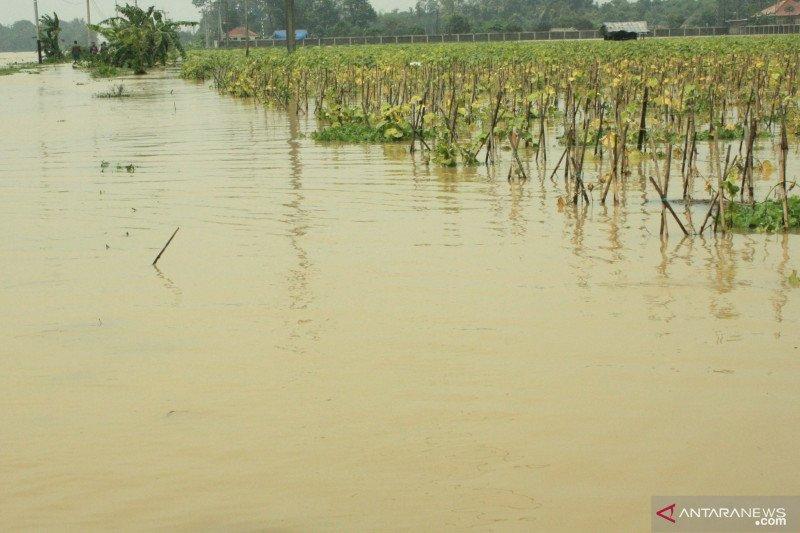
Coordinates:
14 68
103 70
130 168
766 216
116 91
348 133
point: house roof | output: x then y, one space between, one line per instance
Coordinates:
239 33
639 26
784 8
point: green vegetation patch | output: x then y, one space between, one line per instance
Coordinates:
99 69
349 133
766 216
18 67
361 133
351 125
117 91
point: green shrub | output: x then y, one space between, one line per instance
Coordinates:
766 216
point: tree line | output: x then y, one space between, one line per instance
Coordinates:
325 18
21 35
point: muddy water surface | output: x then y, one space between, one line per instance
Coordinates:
343 338
8 58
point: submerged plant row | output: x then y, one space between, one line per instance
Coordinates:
461 103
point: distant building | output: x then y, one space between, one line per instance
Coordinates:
785 11
299 35
238 34
623 31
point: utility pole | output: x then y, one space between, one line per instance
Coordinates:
206 17
88 22
38 42
219 19
246 31
36 14
290 25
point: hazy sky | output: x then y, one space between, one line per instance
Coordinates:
13 10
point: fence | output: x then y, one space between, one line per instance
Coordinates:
765 30
514 36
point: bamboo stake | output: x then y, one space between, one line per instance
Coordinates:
669 207
710 210
643 120
165 246
560 159
784 153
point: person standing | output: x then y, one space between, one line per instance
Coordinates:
76 52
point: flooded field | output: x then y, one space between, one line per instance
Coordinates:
7 58
340 337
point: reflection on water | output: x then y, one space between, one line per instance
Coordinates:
169 285
300 325
349 337
781 296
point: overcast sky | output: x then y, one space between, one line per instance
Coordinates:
13 10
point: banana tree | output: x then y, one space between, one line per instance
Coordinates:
140 38
49 31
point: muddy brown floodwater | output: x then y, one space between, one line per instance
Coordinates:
9 58
343 338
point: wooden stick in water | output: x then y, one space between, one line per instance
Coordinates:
165 246
784 153
669 207
560 159
710 210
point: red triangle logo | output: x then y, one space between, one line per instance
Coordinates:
667 512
